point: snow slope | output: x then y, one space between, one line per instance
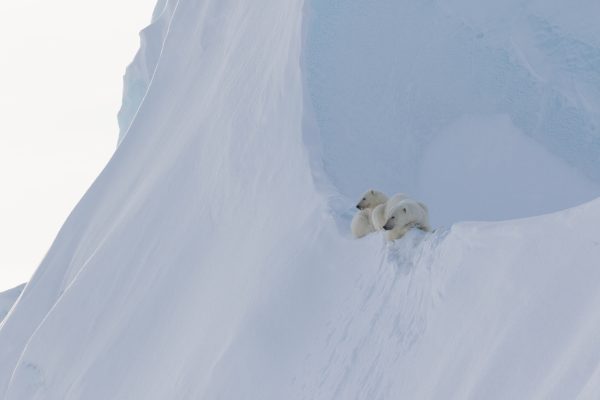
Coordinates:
7 300
212 259
483 311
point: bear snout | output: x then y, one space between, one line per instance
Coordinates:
387 228
359 207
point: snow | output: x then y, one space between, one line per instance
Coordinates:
140 72
8 299
485 310
489 164
212 257
388 78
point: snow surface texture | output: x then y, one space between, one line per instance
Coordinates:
7 300
212 257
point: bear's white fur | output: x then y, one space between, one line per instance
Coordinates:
381 213
405 215
378 217
361 223
371 199
375 210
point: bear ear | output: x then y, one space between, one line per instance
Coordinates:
404 210
372 191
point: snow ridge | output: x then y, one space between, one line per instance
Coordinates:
8 299
141 70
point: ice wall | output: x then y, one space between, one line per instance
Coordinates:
390 81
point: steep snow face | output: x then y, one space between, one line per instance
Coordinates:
205 261
8 299
393 81
209 202
140 72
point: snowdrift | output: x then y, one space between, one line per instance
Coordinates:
212 258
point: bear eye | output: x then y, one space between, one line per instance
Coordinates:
364 198
393 216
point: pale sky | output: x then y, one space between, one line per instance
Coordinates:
61 71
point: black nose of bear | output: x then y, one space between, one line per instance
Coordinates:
386 228
357 206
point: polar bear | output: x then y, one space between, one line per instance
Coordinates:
375 209
406 214
382 212
380 206
371 199
362 224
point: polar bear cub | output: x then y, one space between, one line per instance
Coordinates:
404 215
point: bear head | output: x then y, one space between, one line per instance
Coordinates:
397 217
371 199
